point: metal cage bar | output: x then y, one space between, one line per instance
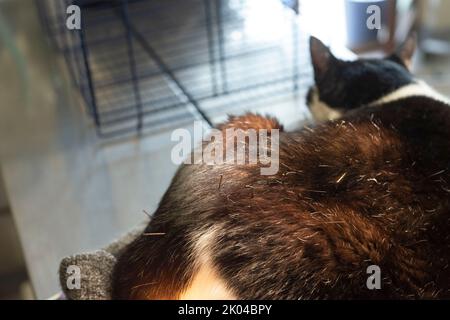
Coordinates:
147 64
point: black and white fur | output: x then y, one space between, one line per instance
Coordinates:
342 86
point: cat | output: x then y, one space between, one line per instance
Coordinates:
369 184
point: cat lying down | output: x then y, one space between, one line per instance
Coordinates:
369 185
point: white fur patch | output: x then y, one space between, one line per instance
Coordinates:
419 88
320 110
323 112
206 283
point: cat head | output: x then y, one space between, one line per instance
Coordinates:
341 85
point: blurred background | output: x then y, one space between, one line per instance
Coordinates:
86 113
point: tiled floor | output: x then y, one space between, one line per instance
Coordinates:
13 276
67 192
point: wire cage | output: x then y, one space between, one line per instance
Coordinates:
145 64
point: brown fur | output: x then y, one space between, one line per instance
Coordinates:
371 188
251 121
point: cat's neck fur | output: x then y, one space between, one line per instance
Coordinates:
416 89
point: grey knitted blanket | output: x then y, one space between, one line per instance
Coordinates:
95 270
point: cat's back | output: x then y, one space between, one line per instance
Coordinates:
369 189
372 188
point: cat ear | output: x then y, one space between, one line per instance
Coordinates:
406 51
321 56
